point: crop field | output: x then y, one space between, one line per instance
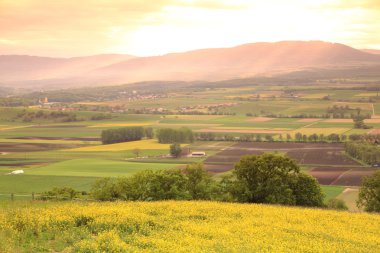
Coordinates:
96 168
185 226
327 161
143 144
54 153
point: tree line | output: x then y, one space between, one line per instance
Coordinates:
298 137
126 134
364 151
29 116
266 178
170 135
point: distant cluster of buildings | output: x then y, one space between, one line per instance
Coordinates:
57 106
207 107
135 96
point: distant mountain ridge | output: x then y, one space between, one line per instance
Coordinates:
204 64
371 51
25 67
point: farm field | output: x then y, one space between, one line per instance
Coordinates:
54 153
201 227
189 126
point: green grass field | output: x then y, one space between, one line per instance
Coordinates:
78 162
332 191
96 168
78 174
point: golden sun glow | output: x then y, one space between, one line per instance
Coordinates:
69 28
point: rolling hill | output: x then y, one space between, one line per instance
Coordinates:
206 64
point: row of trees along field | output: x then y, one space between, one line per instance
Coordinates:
364 151
126 134
170 135
298 137
267 178
29 116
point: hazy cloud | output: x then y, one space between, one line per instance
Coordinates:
82 27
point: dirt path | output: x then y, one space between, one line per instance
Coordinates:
350 196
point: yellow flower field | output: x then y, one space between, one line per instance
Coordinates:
143 144
184 227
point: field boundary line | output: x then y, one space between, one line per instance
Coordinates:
340 176
308 125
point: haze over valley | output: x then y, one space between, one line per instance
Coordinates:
189 126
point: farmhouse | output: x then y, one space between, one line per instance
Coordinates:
198 154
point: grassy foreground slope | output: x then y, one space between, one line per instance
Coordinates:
183 227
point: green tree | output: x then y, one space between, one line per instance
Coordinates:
170 135
199 183
266 179
136 152
369 193
105 189
175 149
275 179
151 185
149 133
359 121
125 134
306 190
298 136
268 137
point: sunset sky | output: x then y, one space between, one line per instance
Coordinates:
85 27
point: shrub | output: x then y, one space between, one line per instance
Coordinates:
337 204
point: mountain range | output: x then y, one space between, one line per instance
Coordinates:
265 59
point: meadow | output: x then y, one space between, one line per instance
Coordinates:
182 227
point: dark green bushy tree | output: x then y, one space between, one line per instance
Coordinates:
265 179
306 190
170 135
275 179
175 149
124 134
199 183
369 193
105 189
191 183
153 185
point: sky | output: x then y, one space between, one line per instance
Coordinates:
67 28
